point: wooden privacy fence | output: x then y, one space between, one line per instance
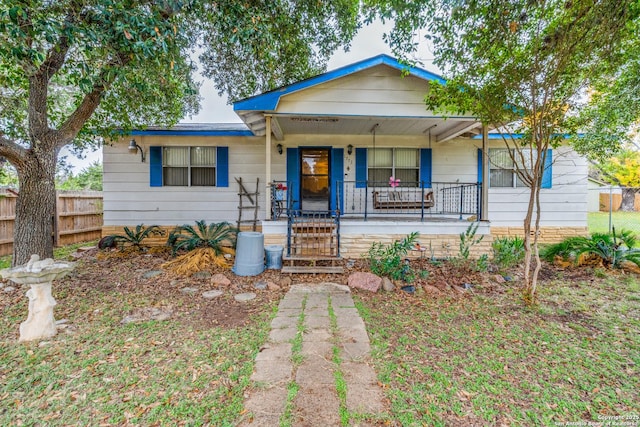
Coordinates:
78 218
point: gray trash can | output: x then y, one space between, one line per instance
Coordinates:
273 256
249 254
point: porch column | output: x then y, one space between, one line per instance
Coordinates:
267 165
484 209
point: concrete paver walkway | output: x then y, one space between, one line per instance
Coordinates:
318 343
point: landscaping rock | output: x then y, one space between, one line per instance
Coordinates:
285 282
189 291
247 296
261 285
9 289
364 280
201 275
220 279
431 289
212 294
629 266
388 285
272 286
145 314
152 273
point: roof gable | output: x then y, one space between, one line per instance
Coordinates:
269 101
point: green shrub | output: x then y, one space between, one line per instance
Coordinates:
216 236
612 249
508 251
388 260
468 239
130 237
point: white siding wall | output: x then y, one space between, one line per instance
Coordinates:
563 205
129 200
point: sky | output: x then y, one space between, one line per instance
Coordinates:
214 109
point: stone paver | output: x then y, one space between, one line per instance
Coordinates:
316 403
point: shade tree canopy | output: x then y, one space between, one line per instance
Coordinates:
519 66
75 71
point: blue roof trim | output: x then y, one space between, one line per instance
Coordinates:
192 133
518 135
268 101
500 136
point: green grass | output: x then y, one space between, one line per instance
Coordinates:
598 222
492 361
174 372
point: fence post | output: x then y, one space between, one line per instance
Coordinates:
610 208
56 222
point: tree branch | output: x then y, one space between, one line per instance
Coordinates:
39 84
12 151
70 128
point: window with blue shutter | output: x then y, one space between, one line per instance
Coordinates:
425 167
502 171
189 166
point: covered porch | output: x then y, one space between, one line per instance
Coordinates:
358 145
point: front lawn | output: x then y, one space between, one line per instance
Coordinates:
191 369
455 358
598 222
488 360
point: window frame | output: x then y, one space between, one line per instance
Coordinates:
394 166
189 167
515 179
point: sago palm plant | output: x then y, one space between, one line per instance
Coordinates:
612 249
130 237
218 236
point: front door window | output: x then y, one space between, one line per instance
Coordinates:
315 179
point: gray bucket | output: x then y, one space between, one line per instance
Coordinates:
273 255
249 254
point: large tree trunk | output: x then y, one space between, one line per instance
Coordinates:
628 199
35 209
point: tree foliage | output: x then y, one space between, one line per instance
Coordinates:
518 66
252 47
74 71
89 178
613 110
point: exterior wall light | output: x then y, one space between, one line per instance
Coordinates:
134 147
349 149
279 148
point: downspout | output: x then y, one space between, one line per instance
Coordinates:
484 211
267 165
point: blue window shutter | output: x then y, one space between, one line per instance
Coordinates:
361 168
425 167
293 176
222 167
480 165
337 178
155 166
547 174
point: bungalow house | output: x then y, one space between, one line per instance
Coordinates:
338 161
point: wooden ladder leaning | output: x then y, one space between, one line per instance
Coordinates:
252 200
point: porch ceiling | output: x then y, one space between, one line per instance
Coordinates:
286 124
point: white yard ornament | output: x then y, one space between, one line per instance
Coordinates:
39 274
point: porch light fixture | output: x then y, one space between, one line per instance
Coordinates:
134 147
349 149
279 148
